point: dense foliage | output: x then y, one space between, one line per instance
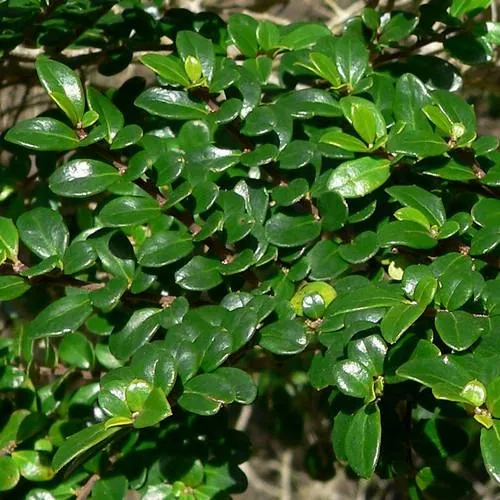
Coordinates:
311 218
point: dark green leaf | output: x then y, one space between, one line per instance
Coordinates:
362 441
63 316
43 231
129 211
43 134
283 337
357 178
200 273
82 178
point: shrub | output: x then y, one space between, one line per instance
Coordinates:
312 218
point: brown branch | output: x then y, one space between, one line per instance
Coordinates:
86 489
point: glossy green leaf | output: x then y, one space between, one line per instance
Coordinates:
62 316
291 231
490 450
430 205
362 441
401 25
33 465
59 80
417 143
170 68
173 104
82 178
283 337
109 115
129 211
81 442
243 32
200 273
9 473
12 287
351 58
405 233
459 329
43 134
76 350
44 232
357 178
192 44
353 379
460 7
9 238
141 327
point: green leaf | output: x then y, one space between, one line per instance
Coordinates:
361 249
164 248
459 329
173 104
283 337
443 375
323 66
9 238
333 210
76 350
459 112
139 329
493 397
59 80
170 68
268 35
398 319
243 32
296 154
109 115
129 211
81 442
366 119
362 441
112 488
192 44
205 394
127 136
292 231
344 141
79 255
357 178
43 134
417 143
62 316
486 212
405 233
353 379
155 409
370 351
410 98
33 465
9 473
351 58
44 232
12 287
460 7
430 205
401 25
485 240
82 178
325 261
302 35
200 273
490 449
244 388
